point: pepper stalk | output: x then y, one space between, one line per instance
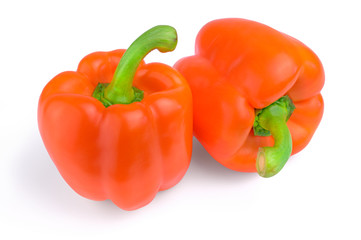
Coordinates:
272 120
120 90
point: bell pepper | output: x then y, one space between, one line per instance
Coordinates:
118 128
256 94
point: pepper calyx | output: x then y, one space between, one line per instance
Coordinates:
99 94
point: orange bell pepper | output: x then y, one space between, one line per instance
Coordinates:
247 79
110 140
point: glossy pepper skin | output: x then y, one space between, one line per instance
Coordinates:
124 152
239 67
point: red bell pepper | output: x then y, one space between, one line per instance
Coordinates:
110 140
247 80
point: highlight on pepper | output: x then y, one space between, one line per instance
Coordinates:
118 128
256 94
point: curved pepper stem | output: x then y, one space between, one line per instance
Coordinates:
121 90
272 121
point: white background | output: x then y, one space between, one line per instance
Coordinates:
316 196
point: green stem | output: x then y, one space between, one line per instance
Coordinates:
272 121
121 90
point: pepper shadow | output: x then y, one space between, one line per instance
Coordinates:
37 179
204 166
